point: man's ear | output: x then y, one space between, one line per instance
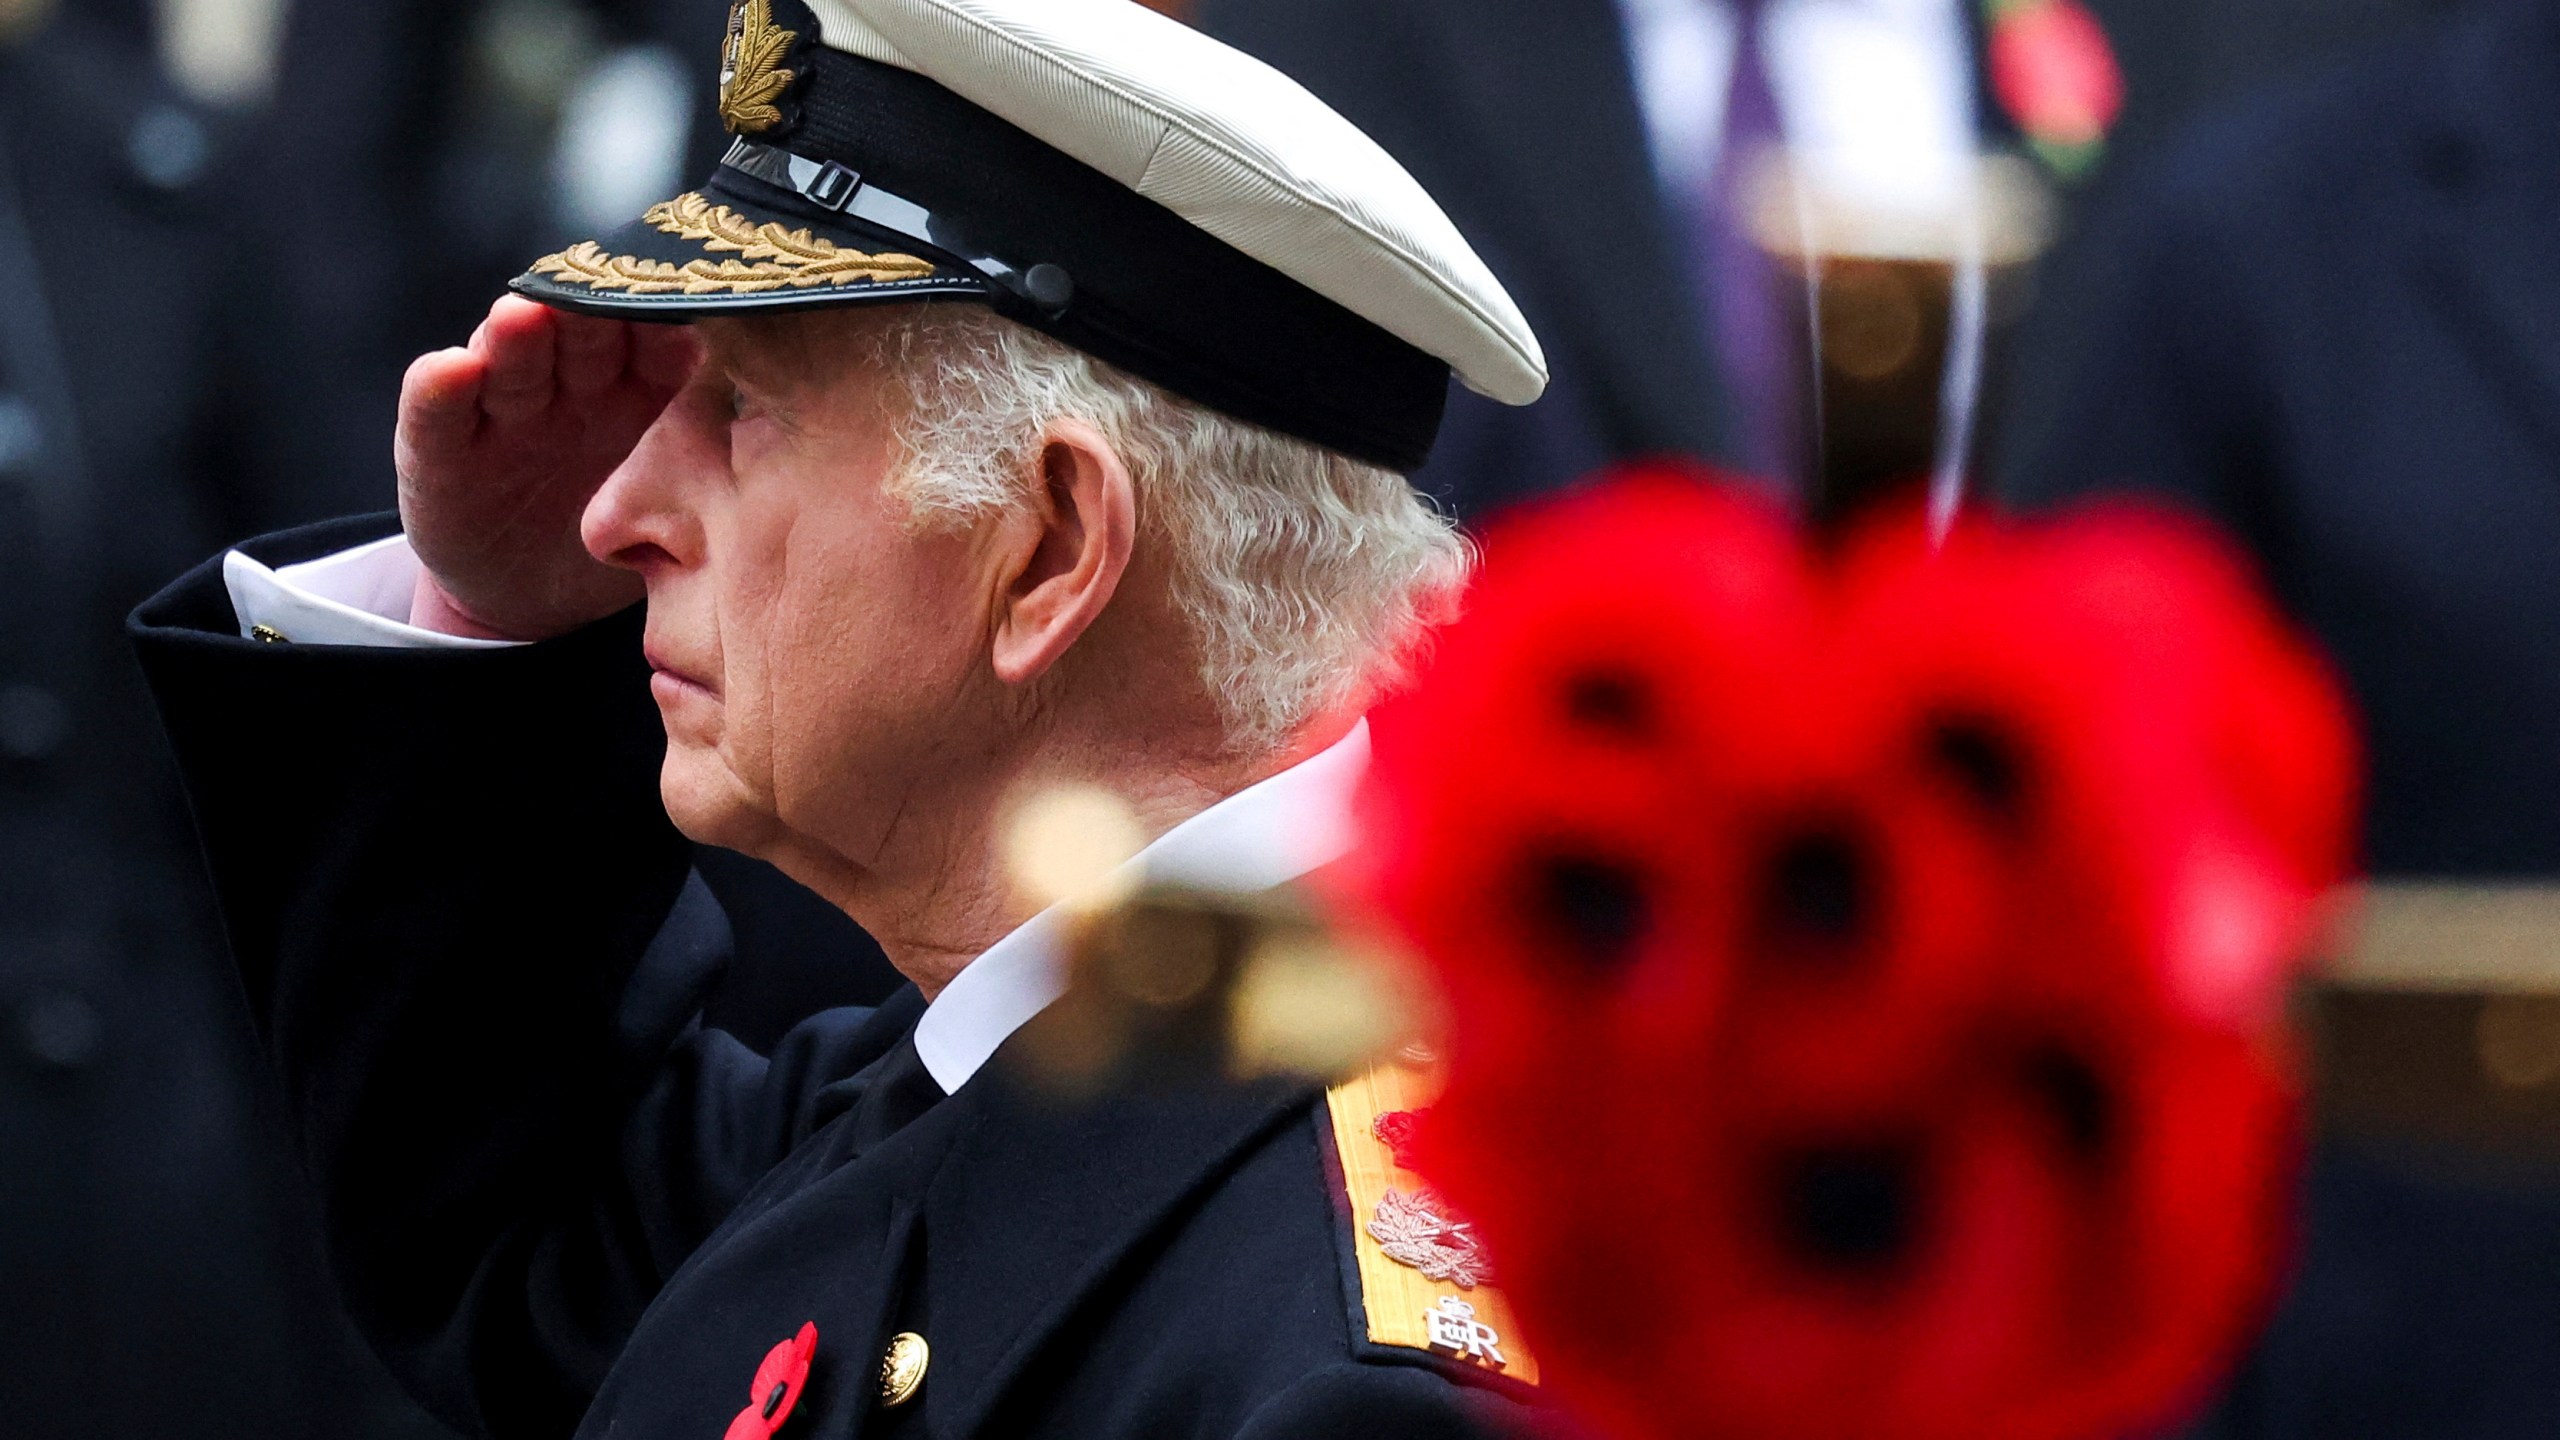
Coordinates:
1062 565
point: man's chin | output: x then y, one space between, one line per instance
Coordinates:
706 802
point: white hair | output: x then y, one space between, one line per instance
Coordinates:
1306 576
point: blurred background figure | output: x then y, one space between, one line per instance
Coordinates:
225 227
154 1253
1593 151
2329 318
1587 148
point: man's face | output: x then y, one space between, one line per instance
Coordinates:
818 660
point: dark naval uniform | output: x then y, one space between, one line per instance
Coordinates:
477 949
551 1191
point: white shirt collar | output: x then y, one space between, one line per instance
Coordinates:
1264 835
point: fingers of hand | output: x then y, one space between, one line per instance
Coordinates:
521 343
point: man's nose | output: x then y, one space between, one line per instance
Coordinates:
640 518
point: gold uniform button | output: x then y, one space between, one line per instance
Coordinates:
902 1369
268 635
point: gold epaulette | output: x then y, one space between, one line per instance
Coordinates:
1425 1281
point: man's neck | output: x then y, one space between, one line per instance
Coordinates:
935 916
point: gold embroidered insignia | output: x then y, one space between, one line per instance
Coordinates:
1425 1279
753 78
769 257
1413 1230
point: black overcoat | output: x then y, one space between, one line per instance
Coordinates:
473 944
2330 319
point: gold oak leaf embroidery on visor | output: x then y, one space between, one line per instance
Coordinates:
770 258
752 75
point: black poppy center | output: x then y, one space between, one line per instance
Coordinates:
1598 906
1614 701
2079 1100
1984 759
1819 895
1851 1208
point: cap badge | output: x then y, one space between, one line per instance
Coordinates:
754 68
1412 1230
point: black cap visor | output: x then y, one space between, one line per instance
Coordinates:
724 250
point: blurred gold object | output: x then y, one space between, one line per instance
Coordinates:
2000 213
21 18
1310 1004
2520 1040
1070 845
1173 985
1903 295
2491 937
2437 1018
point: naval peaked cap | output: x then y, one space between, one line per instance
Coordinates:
1091 169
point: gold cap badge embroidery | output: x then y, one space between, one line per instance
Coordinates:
753 74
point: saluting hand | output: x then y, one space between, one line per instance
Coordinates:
501 445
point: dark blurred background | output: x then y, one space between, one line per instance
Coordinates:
2304 282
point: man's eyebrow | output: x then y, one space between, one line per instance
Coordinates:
747 370
737 370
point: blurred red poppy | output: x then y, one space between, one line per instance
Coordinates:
1864 973
2055 73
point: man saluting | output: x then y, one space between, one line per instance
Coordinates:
1049 376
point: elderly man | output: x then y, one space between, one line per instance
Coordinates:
1122 507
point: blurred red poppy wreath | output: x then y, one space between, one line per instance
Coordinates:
1865 971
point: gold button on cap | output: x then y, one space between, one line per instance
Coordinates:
902 1369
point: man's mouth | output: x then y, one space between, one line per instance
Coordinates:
673 674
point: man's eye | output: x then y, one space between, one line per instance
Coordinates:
738 403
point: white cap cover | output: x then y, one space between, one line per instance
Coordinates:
1226 142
